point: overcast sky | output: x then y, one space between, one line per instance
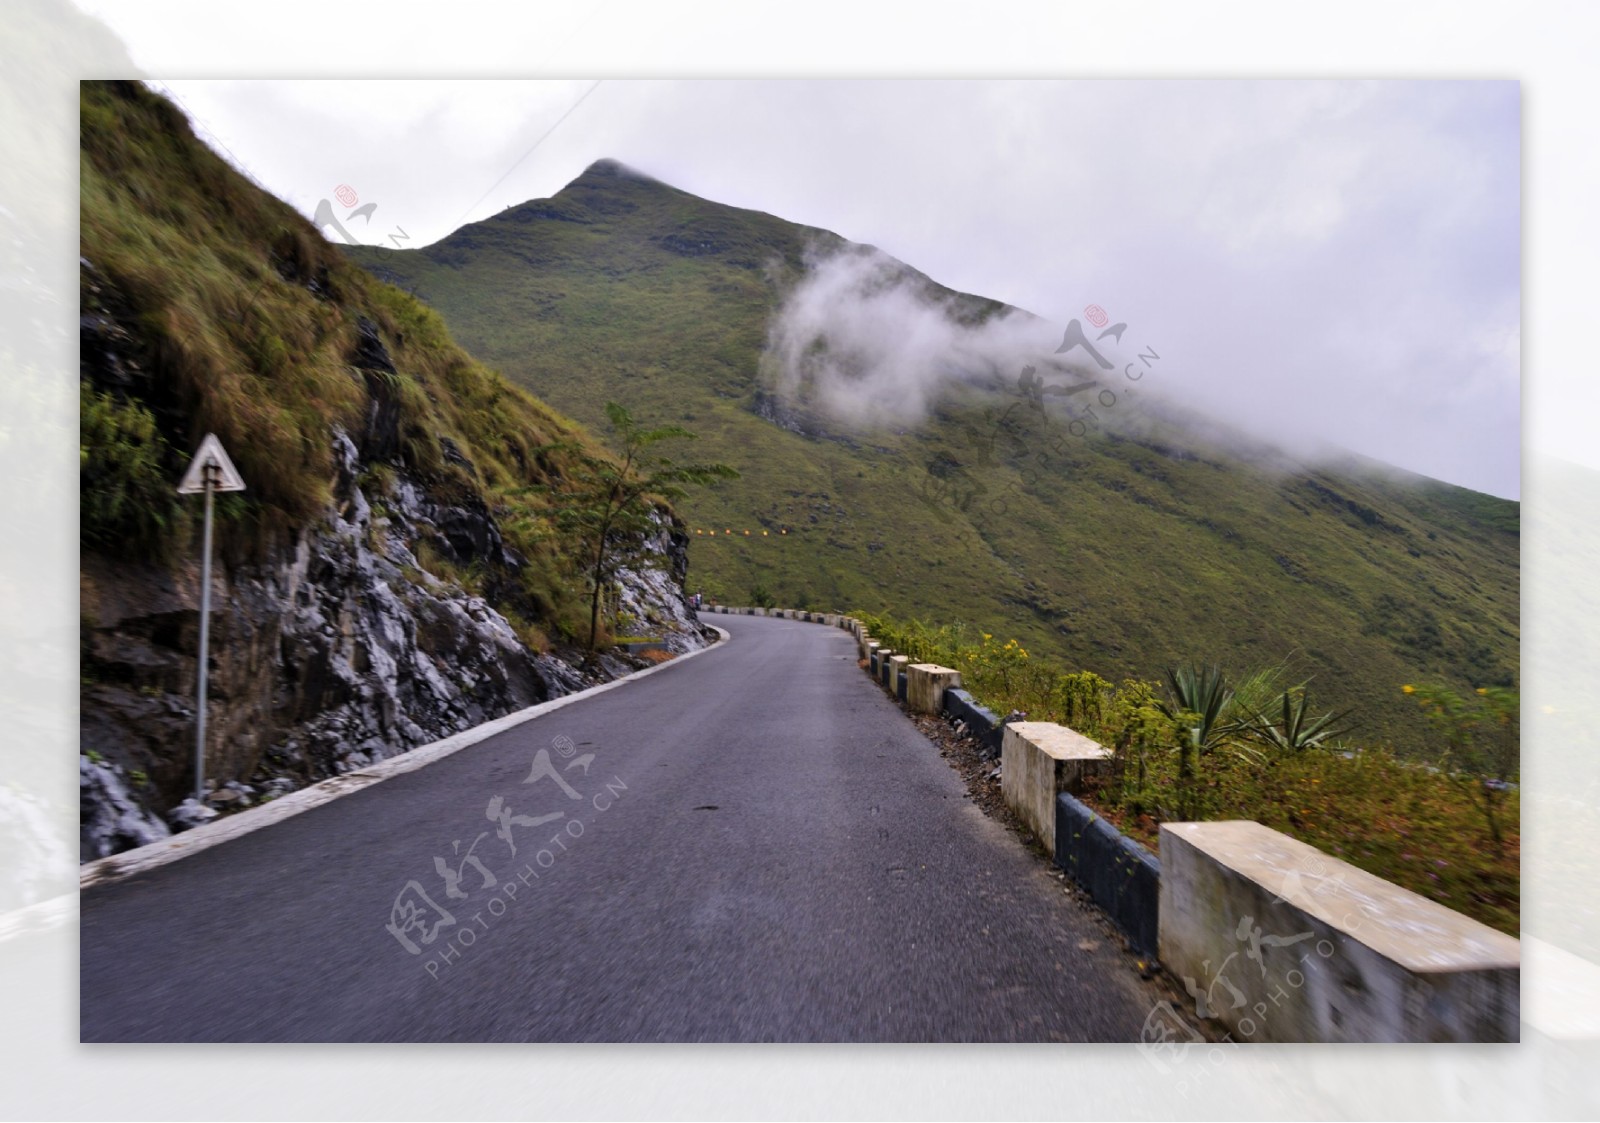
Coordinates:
1322 261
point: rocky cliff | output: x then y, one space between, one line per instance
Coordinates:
338 650
395 571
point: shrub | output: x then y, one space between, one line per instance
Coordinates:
127 500
1416 826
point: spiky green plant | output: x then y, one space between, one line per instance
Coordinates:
1291 729
1202 702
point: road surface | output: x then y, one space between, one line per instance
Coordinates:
754 845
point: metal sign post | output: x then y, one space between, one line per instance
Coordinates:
210 472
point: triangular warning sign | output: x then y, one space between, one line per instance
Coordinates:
224 478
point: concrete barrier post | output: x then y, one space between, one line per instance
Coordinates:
926 684
897 667
1282 942
1039 759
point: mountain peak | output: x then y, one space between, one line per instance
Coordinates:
607 170
606 166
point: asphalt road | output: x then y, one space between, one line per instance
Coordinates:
757 845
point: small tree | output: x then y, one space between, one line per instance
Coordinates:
607 500
1481 748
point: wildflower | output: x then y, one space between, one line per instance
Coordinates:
1483 690
1408 689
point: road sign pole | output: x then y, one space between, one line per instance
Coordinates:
205 646
210 471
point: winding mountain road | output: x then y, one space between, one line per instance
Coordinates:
753 845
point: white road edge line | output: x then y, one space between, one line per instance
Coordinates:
104 871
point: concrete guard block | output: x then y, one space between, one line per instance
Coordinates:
1282 942
926 684
1039 759
896 668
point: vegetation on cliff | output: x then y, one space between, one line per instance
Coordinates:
210 306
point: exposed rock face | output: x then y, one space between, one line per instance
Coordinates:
110 818
654 596
338 651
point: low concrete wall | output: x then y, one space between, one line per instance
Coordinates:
981 721
634 647
1121 876
1282 942
926 684
1038 759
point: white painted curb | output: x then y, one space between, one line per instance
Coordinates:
103 871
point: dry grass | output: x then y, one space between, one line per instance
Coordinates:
247 323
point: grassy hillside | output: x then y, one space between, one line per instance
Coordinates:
210 306
1121 550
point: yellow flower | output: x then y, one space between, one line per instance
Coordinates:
1409 689
1483 690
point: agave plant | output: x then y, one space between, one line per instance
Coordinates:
1202 702
1293 730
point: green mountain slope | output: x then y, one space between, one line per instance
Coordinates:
1145 539
394 572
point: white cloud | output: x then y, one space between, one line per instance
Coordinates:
1313 253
